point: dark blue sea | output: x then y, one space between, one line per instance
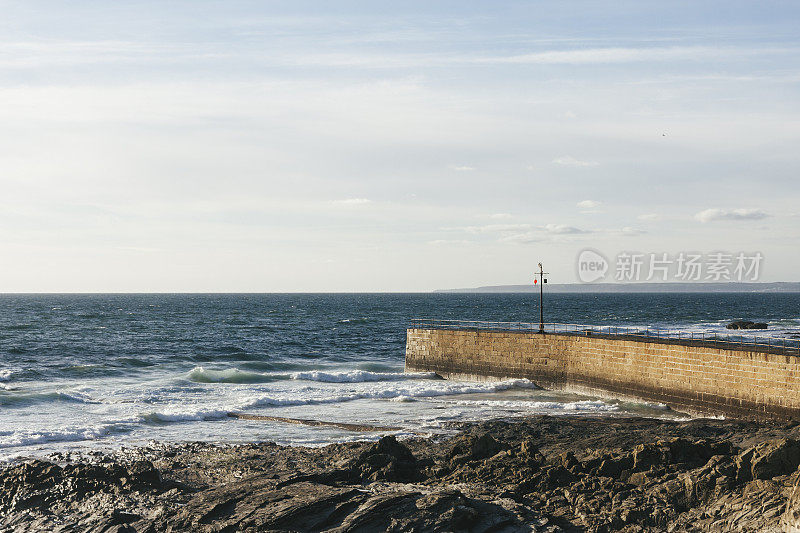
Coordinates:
87 371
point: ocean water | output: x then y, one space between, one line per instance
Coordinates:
102 371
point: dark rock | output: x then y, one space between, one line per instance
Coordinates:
768 459
790 521
677 451
473 448
544 474
529 454
142 475
746 324
386 460
569 462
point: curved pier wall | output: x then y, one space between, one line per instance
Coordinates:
698 379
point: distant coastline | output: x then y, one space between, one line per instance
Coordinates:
781 287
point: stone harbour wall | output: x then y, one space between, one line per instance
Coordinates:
697 379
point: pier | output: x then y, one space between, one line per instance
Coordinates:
739 374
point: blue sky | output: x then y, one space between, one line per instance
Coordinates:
338 146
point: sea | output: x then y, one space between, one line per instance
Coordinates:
89 372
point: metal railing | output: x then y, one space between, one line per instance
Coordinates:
753 342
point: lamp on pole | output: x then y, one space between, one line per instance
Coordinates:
542 280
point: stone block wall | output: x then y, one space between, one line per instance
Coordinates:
696 379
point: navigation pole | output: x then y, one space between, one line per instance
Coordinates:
542 281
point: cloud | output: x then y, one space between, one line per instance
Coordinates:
494 228
548 232
522 238
562 229
461 168
649 217
710 215
588 204
552 229
564 233
569 161
628 231
589 56
353 201
500 216
138 249
446 242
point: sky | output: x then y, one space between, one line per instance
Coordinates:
270 146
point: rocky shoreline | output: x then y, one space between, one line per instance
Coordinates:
534 474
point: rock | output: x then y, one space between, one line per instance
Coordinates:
386 460
142 475
746 324
530 454
790 521
615 466
473 448
709 481
696 452
569 462
768 460
542 474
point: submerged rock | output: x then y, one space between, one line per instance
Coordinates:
746 324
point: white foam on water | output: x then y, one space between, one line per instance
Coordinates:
384 391
403 399
360 376
229 375
534 406
18 438
201 374
17 397
250 399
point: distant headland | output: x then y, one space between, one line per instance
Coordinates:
781 286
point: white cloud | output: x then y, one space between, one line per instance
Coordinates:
500 216
446 242
569 161
462 168
562 229
730 214
522 238
649 216
609 55
494 228
353 201
628 231
552 229
564 233
588 204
